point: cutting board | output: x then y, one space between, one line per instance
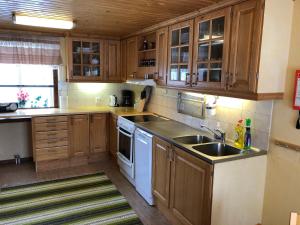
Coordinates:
141 105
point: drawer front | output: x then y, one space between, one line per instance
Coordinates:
52 153
50 119
40 145
51 135
40 127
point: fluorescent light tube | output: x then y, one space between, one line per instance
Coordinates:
43 22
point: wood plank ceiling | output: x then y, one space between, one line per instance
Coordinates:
101 17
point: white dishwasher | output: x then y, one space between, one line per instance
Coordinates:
143 164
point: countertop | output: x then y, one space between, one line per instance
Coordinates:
168 130
29 113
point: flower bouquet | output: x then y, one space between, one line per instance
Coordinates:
23 97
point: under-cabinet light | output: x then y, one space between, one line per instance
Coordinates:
42 22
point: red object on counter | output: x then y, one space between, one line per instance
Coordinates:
296 105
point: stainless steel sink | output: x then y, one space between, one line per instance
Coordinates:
192 140
218 149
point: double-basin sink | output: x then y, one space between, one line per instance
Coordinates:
209 146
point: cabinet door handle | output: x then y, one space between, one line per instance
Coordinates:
156 75
168 153
231 80
226 80
187 79
195 79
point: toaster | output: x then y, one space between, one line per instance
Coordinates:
8 107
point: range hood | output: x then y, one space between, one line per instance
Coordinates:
144 82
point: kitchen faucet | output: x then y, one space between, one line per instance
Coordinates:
218 134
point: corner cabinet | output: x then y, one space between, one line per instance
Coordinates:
180 55
98 133
79 135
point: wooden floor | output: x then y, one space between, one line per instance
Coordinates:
12 175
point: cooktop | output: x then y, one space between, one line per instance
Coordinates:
144 118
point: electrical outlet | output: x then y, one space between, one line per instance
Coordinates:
98 100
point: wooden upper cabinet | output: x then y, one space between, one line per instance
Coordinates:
191 189
245 47
79 135
131 57
123 60
211 49
113 61
98 133
180 54
161 168
161 56
85 60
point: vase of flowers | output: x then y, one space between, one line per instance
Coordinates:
23 97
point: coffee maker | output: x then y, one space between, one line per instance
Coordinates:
127 98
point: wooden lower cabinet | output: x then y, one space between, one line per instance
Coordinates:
191 189
161 169
66 141
79 135
113 135
182 184
98 134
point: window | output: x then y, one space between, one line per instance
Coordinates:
32 86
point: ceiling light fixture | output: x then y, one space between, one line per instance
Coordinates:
42 22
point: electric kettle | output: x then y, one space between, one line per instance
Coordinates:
113 101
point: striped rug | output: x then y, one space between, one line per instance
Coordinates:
90 199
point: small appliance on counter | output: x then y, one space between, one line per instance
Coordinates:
127 98
144 100
8 107
113 101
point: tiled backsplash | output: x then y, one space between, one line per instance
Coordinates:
229 111
75 95
164 102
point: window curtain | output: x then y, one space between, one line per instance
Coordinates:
25 49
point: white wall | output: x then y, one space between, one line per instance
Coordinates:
15 138
282 194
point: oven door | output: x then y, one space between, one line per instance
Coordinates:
125 146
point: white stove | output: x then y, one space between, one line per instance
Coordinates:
126 129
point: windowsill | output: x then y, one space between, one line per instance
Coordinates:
39 108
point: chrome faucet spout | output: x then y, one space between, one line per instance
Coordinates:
218 134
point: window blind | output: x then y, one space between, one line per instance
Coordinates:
25 49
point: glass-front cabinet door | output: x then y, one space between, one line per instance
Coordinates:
180 54
86 60
211 39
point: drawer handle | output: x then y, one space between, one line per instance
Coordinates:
50 120
52 150
56 139
51 125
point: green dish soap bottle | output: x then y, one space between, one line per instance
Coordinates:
247 138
